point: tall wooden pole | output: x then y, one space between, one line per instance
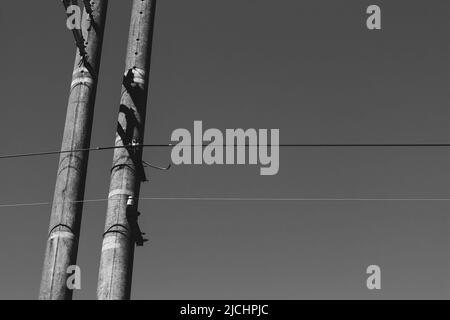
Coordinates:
116 263
65 221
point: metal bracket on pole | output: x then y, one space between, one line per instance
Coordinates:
132 217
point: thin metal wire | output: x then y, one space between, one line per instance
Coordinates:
46 153
224 199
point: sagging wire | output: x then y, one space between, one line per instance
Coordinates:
225 199
47 153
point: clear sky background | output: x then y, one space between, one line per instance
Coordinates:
310 68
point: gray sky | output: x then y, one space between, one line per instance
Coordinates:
309 68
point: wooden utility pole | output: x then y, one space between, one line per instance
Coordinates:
65 221
119 239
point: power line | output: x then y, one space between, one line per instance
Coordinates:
346 145
225 199
47 153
